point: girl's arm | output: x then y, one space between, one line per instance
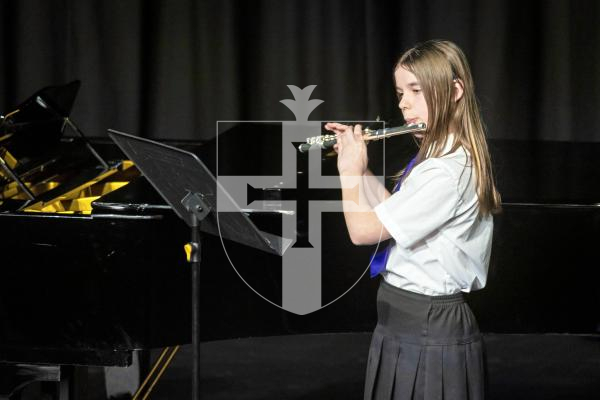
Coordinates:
364 227
358 184
375 190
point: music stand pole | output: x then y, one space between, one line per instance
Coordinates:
198 210
191 190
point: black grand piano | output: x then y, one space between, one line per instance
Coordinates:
93 267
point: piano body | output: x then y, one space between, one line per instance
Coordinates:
93 266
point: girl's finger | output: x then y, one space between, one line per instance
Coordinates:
335 126
348 134
358 130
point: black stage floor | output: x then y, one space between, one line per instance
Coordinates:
331 366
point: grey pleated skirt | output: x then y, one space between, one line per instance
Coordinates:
424 348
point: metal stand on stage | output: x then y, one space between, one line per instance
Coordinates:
191 190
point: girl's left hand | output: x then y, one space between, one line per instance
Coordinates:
351 148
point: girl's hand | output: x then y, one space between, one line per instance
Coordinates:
351 149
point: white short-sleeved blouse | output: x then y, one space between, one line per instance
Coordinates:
442 243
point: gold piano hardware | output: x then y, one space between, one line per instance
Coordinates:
9 160
13 191
79 200
5 137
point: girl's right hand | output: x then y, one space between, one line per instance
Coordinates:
351 148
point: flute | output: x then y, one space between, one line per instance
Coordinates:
327 141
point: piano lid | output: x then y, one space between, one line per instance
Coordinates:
36 125
36 162
48 103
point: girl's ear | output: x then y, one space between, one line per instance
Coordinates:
459 88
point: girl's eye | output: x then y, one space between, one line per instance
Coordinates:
416 91
399 95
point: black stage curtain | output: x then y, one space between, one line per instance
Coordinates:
171 69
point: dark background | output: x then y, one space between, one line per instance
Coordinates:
171 69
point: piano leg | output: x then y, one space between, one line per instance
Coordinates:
122 382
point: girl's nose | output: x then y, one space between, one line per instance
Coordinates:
403 105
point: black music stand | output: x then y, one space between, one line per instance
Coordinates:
191 190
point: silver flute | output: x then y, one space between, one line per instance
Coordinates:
327 141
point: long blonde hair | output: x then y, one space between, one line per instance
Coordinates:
439 65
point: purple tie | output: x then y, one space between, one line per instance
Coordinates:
380 258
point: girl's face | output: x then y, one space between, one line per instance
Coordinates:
410 96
